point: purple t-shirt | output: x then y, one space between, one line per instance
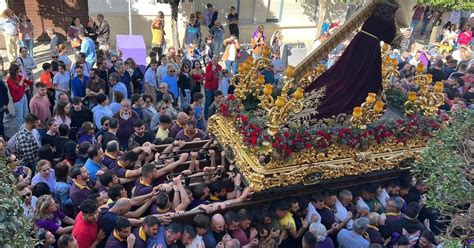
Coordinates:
53 224
326 243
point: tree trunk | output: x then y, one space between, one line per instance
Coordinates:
174 24
322 10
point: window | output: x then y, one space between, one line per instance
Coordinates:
275 8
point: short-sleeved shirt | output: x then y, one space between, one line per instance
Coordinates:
349 239
233 17
142 188
107 222
287 219
140 238
53 224
79 193
46 78
84 232
158 239
92 169
114 241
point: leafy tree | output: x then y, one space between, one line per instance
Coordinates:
446 167
14 227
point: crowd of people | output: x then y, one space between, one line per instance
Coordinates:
107 154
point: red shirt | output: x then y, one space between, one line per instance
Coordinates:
16 90
212 77
84 232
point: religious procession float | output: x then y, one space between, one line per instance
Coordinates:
323 126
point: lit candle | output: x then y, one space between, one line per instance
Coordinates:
378 107
370 98
290 71
268 89
412 96
394 62
429 78
438 88
250 59
260 79
385 47
419 68
298 94
357 112
280 101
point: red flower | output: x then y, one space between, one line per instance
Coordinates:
288 152
254 140
286 134
308 146
243 118
275 144
231 98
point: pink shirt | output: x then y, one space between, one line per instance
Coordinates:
39 105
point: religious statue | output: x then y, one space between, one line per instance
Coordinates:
358 70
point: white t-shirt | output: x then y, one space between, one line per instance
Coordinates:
312 211
232 52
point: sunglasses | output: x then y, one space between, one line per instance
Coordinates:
26 195
171 71
164 107
114 61
55 57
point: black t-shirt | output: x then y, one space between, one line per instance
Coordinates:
49 139
79 117
108 136
60 145
233 17
438 75
469 96
134 139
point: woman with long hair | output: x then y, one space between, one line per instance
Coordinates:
62 186
136 74
25 33
158 33
61 80
185 85
72 32
63 57
87 134
17 84
464 38
61 113
197 74
48 216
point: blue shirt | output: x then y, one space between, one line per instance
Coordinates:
349 239
172 83
88 47
115 107
150 77
199 116
79 87
100 112
62 193
119 86
158 239
92 168
127 81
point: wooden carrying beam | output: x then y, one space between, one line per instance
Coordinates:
262 198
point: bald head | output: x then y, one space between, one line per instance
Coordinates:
218 223
122 205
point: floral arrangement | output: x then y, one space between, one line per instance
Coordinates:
293 140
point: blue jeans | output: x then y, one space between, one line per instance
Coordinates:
21 109
209 99
185 99
231 65
217 48
28 44
423 27
414 23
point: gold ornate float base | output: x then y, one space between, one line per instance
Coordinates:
308 167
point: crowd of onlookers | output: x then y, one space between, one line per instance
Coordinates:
106 154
